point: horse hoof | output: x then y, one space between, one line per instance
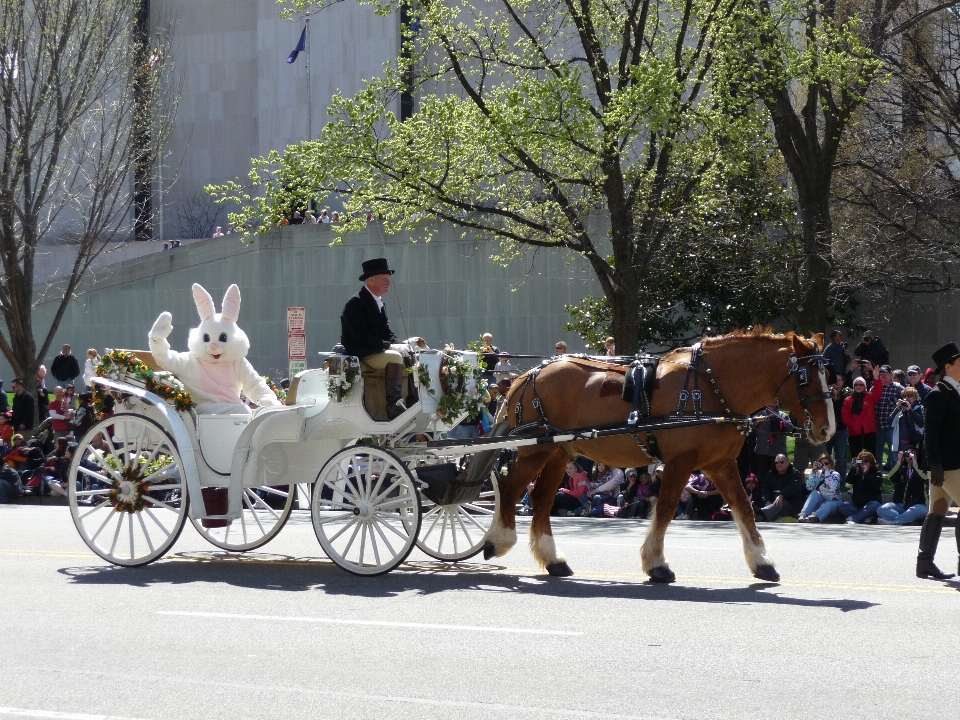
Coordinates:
489 550
767 573
559 569
662 575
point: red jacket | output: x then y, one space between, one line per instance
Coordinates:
866 421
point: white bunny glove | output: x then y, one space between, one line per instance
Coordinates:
162 327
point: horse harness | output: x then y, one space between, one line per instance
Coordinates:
640 372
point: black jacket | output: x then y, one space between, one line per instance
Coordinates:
942 430
364 329
908 491
836 355
22 411
866 485
876 352
65 367
789 485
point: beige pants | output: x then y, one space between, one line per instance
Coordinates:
381 360
940 496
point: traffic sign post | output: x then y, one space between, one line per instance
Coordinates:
296 340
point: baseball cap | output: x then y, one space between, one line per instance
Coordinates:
913 369
630 471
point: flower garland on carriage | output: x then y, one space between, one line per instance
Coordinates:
126 367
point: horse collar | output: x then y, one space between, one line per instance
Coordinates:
697 357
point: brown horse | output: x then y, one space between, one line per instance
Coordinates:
739 373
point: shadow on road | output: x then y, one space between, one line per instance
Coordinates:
277 572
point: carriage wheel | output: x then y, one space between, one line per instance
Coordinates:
366 510
457 532
265 510
128 494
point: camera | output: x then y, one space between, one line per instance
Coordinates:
817 465
858 461
861 363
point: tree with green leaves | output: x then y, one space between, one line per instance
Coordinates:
814 64
531 119
84 108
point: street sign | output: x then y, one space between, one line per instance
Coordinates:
296 321
296 347
297 366
296 339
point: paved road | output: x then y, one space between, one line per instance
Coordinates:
285 634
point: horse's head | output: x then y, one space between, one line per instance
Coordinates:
807 397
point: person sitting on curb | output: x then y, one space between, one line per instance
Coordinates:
909 502
783 490
825 486
865 479
603 490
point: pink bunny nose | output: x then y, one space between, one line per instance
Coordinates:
215 347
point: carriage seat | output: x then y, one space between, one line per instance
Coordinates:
374 391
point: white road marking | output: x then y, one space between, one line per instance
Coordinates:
373 623
21 712
507 710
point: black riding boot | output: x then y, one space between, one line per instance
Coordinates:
929 537
393 379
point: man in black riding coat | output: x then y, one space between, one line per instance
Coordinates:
942 449
366 333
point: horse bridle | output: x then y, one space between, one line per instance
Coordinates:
800 370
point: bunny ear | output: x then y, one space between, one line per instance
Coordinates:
204 302
231 304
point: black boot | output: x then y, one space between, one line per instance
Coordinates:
393 379
929 537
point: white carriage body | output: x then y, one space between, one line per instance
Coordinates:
275 445
143 471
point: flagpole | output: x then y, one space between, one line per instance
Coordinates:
309 86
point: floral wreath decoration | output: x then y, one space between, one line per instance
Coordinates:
456 395
127 367
133 498
339 384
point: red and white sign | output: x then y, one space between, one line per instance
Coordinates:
296 339
296 347
296 321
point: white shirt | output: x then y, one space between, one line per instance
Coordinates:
375 297
953 383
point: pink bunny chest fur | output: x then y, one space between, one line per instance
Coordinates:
220 380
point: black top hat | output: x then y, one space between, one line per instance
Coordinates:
377 266
947 354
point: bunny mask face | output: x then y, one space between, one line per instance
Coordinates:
217 339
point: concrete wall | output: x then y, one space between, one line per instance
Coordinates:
447 291
240 99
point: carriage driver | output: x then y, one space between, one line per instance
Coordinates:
366 333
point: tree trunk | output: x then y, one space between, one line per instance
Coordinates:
812 311
625 327
143 165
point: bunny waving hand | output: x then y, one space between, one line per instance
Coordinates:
215 369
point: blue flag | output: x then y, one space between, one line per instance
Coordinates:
301 46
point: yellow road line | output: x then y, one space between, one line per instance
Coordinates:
468 568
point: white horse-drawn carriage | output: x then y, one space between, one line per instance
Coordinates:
374 488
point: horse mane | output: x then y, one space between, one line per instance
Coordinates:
758 331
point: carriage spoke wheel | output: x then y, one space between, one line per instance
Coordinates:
127 490
264 512
457 532
366 510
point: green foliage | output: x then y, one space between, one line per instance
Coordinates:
532 119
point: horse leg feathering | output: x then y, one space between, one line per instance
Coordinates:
727 479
